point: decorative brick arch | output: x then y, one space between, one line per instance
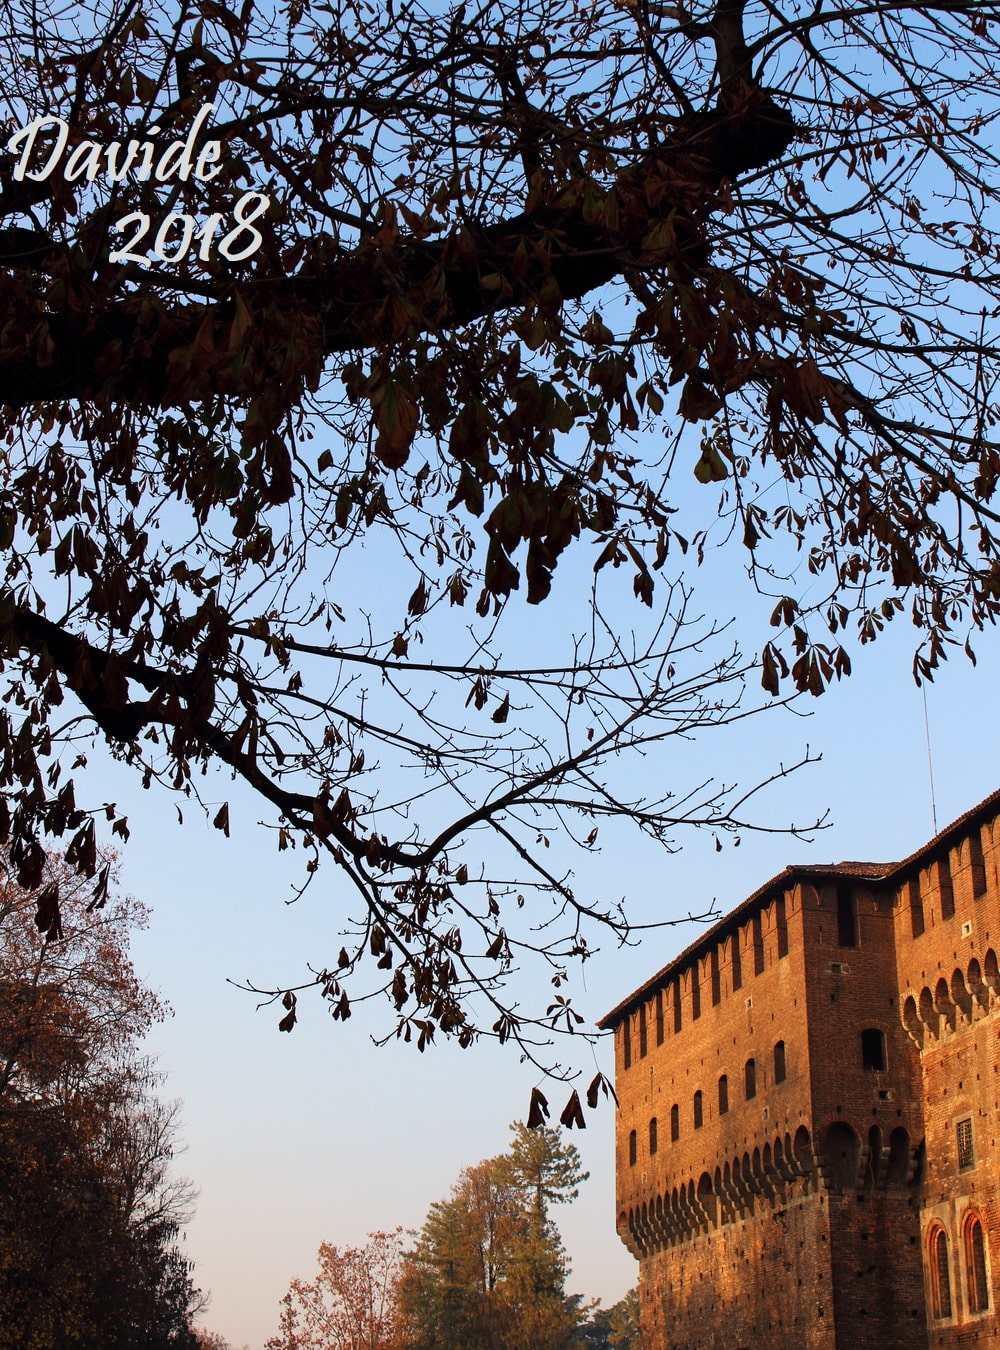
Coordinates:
938 1271
976 1261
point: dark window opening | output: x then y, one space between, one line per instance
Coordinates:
627 1042
847 918
737 963
652 1136
916 908
975 1263
695 992
659 1017
946 888
779 1062
713 965
873 1049
675 1123
677 1006
643 1045
633 1148
723 1095
750 1079
781 923
699 1114
963 1131
941 1280
978 865
758 945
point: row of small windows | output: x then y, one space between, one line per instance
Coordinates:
977 1290
698 1103
873 1057
715 978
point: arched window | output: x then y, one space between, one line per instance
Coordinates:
975 1264
723 1095
675 1123
750 1079
779 1062
940 1277
699 1114
652 1136
633 1148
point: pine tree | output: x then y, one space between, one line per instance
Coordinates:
488 1271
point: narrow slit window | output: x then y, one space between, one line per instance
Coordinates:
946 888
916 907
633 1148
750 1079
626 1042
779 1062
652 1136
677 1006
643 1045
758 945
659 1017
723 1095
978 864
737 962
713 965
847 918
781 924
675 1123
695 992
699 1111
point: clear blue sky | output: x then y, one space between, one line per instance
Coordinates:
317 1136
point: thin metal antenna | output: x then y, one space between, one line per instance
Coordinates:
930 765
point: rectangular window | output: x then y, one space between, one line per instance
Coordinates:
659 1017
758 945
916 907
723 1095
943 868
737 963
695 992
781 923
978 865
873 1049
847 919
963 1131
677 1006
750 1079
626 1043
713 966
643 1045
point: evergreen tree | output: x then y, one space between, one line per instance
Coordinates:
488 1271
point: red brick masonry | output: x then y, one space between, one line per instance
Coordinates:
810 1105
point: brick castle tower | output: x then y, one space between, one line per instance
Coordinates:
807 1140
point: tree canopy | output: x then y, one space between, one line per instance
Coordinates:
90 1212
488 1270
326 326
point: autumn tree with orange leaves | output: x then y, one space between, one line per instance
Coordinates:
350 1304
333 331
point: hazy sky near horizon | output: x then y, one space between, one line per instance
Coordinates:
322 1136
